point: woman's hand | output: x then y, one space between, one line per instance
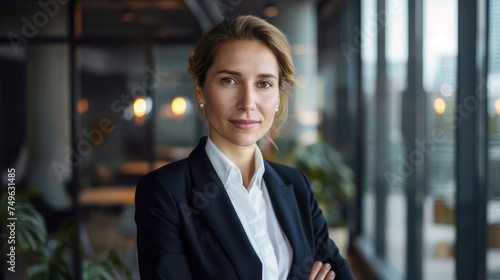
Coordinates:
321 271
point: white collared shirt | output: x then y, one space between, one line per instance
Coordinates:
255 211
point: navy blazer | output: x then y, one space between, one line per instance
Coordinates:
187 227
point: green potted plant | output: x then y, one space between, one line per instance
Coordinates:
331 179
50 257
29 232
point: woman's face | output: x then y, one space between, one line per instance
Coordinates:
241 93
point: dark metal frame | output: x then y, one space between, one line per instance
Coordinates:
75 136
2 158
381 140
151 121
356 227
414 128
472 140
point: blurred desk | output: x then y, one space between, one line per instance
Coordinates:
139 167
108 196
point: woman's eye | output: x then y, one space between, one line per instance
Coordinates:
265 84
228 81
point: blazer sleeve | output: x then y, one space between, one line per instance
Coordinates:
325 248
160 246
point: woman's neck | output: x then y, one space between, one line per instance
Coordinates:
242 157
245 161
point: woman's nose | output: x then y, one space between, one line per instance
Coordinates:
247 99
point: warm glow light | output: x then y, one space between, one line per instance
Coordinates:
83 105
140 107
439 105
271 11
179 106
497 106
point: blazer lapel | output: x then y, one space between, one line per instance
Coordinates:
211 198
286 210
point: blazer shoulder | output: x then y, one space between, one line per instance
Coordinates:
173 177
173 170
288 174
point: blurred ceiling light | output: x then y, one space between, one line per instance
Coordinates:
128 17
271 11
497 106
446 90
179 106
439 106
140 107
83 105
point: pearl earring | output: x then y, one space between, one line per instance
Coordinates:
277 109
202 106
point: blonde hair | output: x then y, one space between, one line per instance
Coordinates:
246 28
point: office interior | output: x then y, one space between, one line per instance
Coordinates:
403 96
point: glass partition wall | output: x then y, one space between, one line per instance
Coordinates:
396 55
493 113
95 94
440 40
369 70
424 128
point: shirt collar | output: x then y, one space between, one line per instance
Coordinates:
224 167
259 167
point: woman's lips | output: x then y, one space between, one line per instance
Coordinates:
244 124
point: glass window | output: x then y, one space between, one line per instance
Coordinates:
397 58
369 26
493 91
116 112
115 90
439 78
175 100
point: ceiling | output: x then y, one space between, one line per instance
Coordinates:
157 19
163 18
130 18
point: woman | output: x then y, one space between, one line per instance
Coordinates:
224 212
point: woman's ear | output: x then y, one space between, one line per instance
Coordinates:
199 94
279 102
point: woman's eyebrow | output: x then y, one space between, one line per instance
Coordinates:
267 76
227 71
235 73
